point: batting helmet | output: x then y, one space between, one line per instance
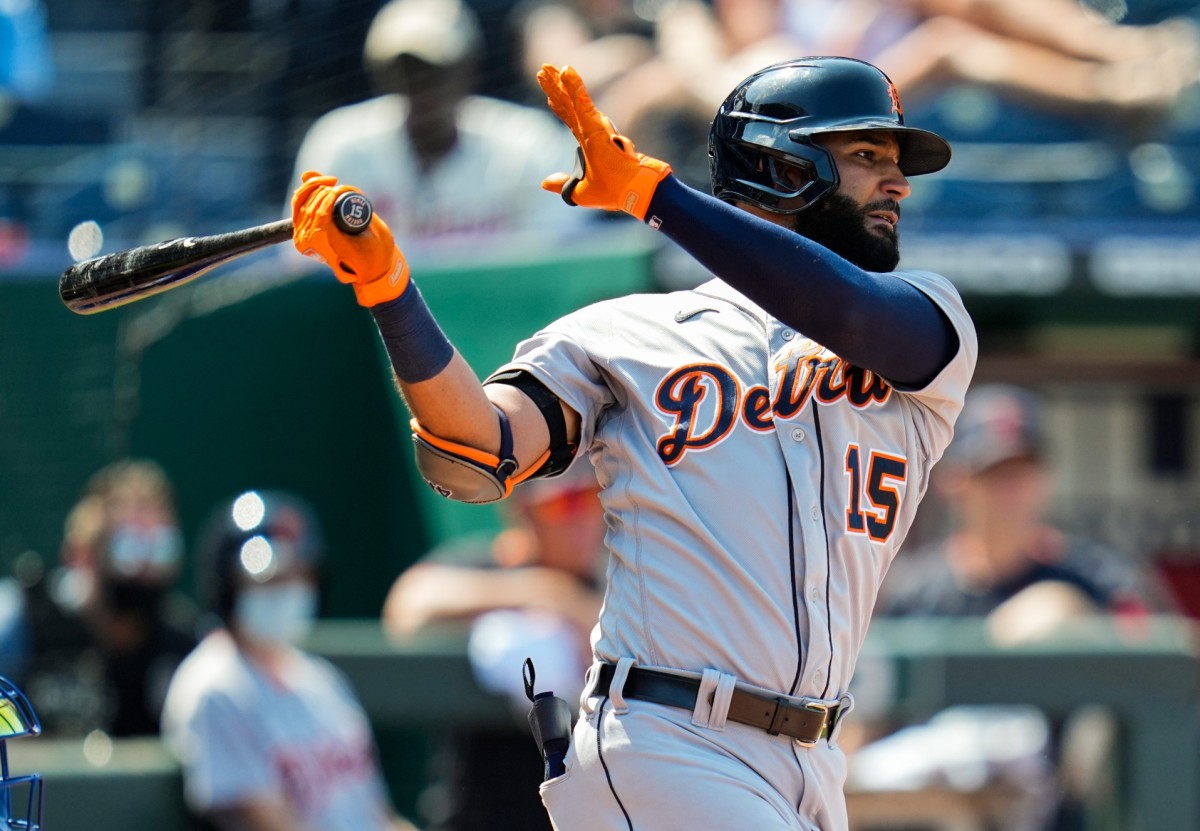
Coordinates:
770 119
253 538
20 796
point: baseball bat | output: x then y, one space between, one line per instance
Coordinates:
113 280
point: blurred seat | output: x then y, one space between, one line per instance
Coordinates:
97 73
1016 162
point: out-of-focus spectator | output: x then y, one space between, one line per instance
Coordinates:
1057 55
1003 562
602 39
531 591
270 737
109 628
26 63
704 49
441 165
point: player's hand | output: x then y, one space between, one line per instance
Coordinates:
370 261
609 173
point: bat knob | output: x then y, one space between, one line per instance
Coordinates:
352 213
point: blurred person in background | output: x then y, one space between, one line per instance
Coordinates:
109 627
1003 563
534 589
702 49
443 166
1059 56
26 57
1003 559
271 738
602 39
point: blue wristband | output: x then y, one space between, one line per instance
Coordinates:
416 345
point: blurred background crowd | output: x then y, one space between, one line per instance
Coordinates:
1069 219
138 115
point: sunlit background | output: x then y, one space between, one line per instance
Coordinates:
1071 228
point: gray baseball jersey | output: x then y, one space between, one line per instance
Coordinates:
301 738
744 468
756 486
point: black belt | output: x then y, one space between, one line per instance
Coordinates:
806 722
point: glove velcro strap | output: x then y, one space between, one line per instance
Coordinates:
577 174
642 185
386 288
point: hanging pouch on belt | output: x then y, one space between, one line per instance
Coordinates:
550 720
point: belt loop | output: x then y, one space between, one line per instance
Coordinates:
721 699
845 705
616 689
702 711
591 680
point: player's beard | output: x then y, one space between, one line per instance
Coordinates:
840 224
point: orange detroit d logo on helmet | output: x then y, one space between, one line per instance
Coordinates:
895 96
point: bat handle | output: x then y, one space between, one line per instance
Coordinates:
352 213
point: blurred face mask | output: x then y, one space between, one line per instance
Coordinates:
139 565
281 613
135 551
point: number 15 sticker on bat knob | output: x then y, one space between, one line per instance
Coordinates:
368 258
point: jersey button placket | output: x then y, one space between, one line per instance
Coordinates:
815 603
802 456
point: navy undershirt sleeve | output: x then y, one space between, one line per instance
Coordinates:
876 321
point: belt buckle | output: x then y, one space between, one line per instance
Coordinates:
821 709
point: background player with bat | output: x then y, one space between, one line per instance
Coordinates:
762 441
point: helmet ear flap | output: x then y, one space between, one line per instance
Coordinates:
785 183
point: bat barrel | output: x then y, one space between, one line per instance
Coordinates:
113 280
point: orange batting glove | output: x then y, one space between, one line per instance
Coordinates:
370 260
608 173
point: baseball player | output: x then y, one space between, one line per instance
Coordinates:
761 441
269 736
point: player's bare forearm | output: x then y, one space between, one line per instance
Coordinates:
431 593
441 390
264 814
1061 25
453 406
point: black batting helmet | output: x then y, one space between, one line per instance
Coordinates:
253 538
770 119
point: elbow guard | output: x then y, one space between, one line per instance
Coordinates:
464 473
